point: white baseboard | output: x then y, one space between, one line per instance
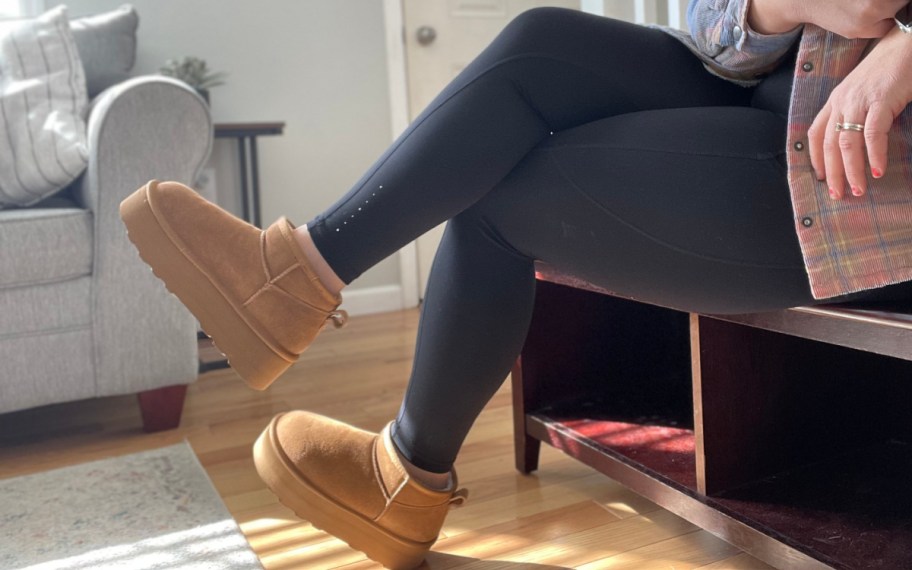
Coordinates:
370 300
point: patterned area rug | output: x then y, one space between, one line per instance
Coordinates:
150 510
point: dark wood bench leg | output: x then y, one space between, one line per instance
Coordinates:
526 447
585 347
162 408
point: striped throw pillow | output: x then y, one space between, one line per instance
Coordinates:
42 108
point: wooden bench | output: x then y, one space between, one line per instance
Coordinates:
787 434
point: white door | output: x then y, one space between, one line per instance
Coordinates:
441 38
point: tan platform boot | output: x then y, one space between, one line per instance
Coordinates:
252 290
350 483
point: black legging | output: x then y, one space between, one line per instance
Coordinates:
600 147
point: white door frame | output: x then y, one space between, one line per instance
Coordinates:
399 120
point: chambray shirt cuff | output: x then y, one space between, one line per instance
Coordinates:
735 32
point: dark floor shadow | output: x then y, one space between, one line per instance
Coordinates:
442 561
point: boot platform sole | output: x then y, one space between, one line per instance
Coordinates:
309 503
249 355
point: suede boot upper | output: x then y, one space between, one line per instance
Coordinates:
361 471
263 273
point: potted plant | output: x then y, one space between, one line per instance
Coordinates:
194 72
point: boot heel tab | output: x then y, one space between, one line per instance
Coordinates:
459 498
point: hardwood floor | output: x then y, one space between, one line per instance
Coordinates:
566 515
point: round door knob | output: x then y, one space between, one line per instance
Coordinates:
426 35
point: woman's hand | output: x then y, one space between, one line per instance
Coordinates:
851 18
873 95
848 18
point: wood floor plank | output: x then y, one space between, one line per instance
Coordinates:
683 552
579 548
742 561
565 515
495 541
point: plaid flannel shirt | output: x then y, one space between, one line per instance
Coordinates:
851 244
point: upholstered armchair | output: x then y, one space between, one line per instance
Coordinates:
81 316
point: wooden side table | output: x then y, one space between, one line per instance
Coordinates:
246 135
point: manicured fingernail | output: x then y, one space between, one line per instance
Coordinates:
833 194
857 191
876 173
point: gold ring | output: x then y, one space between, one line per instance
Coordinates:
849 127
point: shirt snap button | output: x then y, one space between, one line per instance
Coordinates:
799 145
736 32
807 222
808 66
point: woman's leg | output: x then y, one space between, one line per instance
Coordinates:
549 70
685 208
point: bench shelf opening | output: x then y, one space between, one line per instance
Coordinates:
797 450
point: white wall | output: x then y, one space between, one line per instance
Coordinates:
317 65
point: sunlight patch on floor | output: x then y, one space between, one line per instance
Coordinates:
215 545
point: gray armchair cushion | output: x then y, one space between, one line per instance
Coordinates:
44 245
47 308
107 46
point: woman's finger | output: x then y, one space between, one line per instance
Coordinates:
852 149
832 160
877 127
815 141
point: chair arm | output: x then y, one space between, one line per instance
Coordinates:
146 127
